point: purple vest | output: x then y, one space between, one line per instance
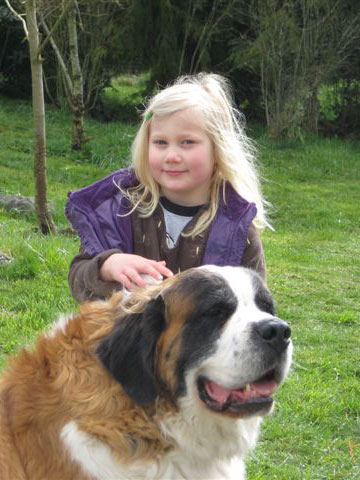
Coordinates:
96 214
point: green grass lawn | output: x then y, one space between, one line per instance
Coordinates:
313 259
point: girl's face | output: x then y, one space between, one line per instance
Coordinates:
181 157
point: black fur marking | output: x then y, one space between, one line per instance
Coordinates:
128 352
263 298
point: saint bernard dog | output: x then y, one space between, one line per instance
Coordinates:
168 382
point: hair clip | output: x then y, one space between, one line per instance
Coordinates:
148 116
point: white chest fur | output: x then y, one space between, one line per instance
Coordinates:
206 450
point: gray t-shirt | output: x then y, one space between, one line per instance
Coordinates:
176 218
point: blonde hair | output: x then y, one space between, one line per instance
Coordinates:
234 154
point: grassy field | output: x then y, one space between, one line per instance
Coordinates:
313 259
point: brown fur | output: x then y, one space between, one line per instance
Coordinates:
169 345
62 380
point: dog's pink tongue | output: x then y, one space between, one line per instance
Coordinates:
216 392
255 390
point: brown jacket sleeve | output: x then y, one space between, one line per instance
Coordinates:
254 254
84 276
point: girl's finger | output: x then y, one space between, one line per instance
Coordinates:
135 277
164 270
125 281
161 268
152 271
155 262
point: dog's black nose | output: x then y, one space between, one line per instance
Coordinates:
275 332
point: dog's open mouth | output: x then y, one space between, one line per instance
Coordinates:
253 398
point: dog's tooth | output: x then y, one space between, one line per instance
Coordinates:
247 387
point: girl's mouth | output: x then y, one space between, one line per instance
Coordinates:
174 173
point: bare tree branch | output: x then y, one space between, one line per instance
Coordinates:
189 19
64 69
19 17
50 33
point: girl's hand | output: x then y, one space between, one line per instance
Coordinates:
127 269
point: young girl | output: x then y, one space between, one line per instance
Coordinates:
191 197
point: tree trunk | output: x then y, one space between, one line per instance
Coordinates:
77 95
312 113
44 218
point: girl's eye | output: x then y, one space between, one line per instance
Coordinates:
159 142
188 141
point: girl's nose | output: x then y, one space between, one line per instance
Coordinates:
172 155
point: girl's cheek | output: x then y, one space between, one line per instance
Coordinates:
152 159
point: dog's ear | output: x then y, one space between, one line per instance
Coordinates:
128 352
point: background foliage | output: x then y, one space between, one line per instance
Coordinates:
279 54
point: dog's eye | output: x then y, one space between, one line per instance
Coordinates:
266 306
221 309
214 311
264 301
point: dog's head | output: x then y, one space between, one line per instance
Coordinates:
210 335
